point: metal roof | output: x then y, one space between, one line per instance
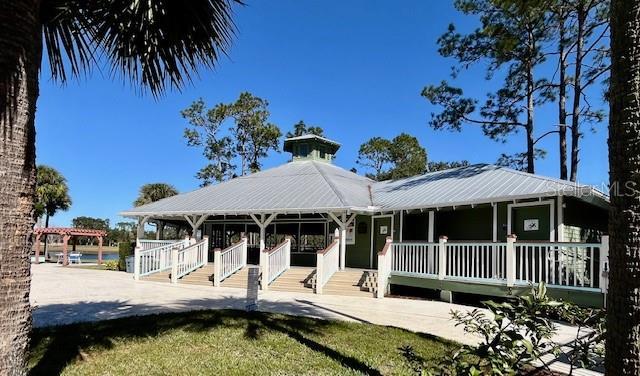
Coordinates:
301 186
475 184
314 186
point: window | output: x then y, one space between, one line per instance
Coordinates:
323 155
303 150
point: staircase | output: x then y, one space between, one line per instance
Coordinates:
202 276
237 279
295 279
352 282
158 277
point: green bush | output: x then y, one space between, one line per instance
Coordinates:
125 249
111 265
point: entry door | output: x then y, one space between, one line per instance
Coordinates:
381 229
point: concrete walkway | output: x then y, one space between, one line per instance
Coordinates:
66 295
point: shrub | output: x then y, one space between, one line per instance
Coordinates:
111 265
125 249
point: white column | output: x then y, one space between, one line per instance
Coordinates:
430 233
174 265
442 257
217 266
495 223
136 252
343 240
560 226
262 238
511 260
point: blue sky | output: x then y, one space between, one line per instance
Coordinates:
355 68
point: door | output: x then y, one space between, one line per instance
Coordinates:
381 229
531 222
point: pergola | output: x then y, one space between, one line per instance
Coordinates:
67 233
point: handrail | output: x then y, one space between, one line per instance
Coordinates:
328 248
190 258
147 244
327 263
275 261
387 246
154 260
229 260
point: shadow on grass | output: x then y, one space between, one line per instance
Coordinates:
53 348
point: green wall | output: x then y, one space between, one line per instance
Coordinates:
465 223
522 213
358 254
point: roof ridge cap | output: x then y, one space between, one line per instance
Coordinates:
331 185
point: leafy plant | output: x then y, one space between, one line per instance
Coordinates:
514 334
111 265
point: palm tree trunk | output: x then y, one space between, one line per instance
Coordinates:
20 56
46 224
623 306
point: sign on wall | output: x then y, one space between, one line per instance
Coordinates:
351 235
531 225
384 230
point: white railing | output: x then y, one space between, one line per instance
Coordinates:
569 265
189 259
414 258
327 263
146 244
154 260
485 261
275 261
558 264
229 261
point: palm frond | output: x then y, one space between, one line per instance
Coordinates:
65 29
161 43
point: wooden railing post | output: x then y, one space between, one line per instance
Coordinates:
442 257
511 260
264 266
136 260
288 251
205 256
243 254
217 266
604 264
384 268
319 272
174 265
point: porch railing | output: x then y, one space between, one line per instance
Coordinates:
146 244
189 259
157 259
327 263
275 261
229 260
414 258
581 266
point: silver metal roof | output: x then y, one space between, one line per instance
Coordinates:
313 186
295 187
475 184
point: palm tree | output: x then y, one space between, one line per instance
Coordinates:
52 194
151 193
155 45
623 305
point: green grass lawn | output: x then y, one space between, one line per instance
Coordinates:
228 343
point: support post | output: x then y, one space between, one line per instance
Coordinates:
604 265
384 268
245 242
511 260
65 250
288 251
174 265
136 261
37 259
343 240
99 250
560 215
264 265
205 256
217 266
442 257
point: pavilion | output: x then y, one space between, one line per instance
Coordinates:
67 233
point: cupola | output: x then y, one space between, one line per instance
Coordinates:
311 147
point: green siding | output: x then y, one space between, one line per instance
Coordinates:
522 213
579 297
581 227
358 254
465 223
